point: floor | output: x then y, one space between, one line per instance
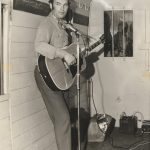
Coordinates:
120 141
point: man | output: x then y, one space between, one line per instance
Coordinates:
50 40
119 44
118 41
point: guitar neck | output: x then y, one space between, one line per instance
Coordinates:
90 48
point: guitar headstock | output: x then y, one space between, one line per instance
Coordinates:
102 38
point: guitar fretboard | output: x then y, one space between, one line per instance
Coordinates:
90 48
94 45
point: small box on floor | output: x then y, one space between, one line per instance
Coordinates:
128 124
146 126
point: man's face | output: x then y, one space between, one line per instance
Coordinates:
60 8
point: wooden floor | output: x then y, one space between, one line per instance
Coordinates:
120 141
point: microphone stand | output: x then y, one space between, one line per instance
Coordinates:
78 88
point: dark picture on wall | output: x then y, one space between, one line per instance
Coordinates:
32 6
118 31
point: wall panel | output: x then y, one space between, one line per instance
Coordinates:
19 50
4 129
29 20
33 135
23 34
27 109
21 80
4 110
32 128
26 124
24 95
22 65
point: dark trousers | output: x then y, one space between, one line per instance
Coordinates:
61 108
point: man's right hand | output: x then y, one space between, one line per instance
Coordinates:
67 57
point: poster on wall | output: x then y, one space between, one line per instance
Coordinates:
81 10
32 6
78 12
118 30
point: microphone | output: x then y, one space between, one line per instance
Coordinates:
71 28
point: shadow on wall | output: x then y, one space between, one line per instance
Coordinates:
90 60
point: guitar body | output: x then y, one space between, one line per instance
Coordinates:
55 73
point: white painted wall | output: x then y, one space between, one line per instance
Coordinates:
31 127
5 138
5 131
123 84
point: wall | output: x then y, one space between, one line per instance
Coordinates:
5 140
123 84
31 128
5 131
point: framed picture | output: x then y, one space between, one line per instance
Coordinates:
118 31
32 6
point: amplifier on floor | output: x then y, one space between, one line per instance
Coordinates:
128 124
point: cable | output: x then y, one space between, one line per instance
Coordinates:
142 116
93 97
115 146
139 145
118 146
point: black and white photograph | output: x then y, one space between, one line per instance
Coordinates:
118 30
74 75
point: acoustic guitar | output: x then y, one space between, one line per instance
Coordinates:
57 74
